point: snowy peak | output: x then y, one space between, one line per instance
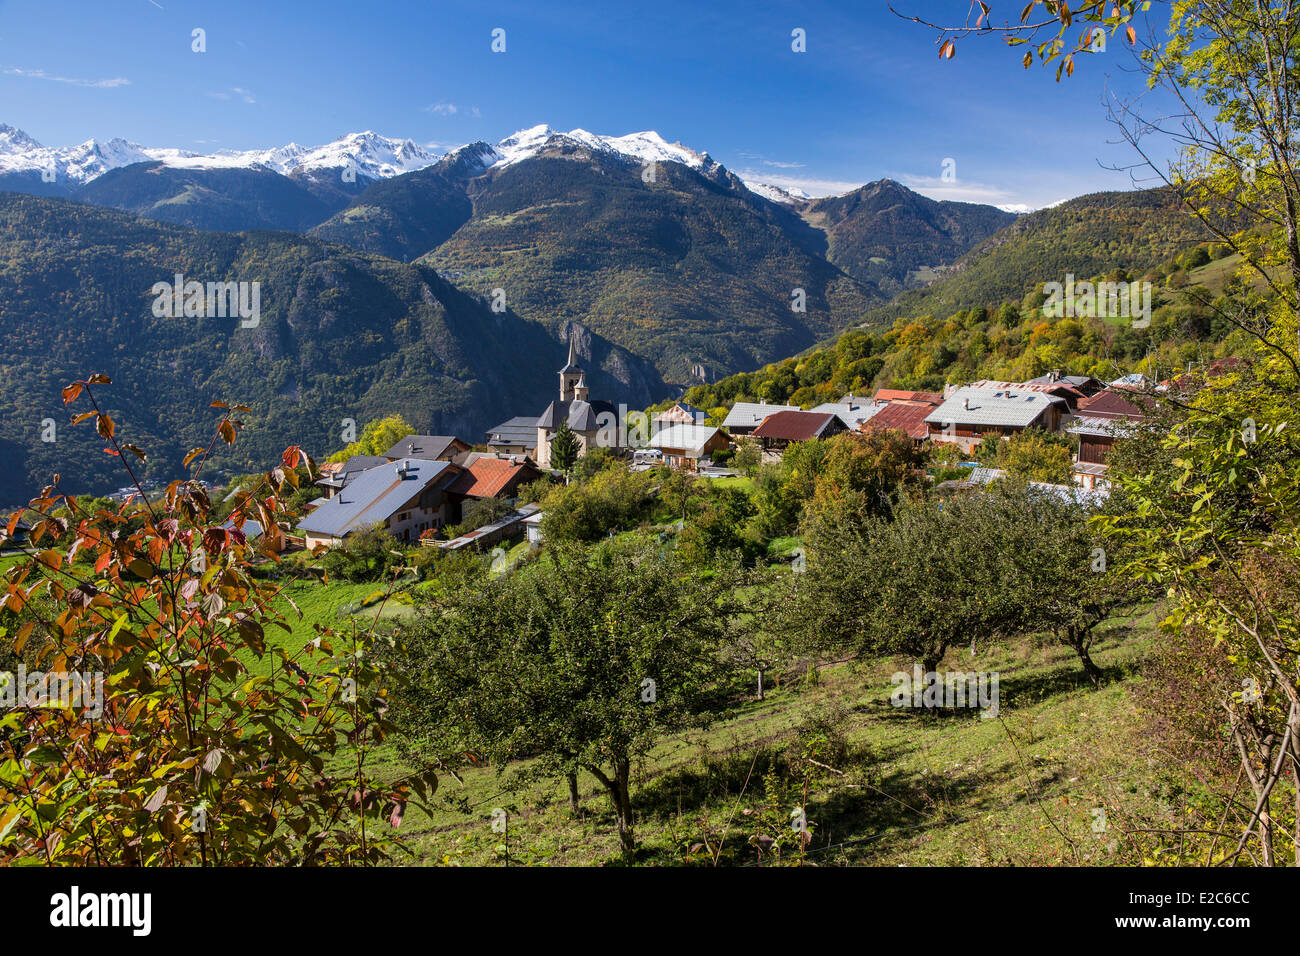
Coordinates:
372 155
640 148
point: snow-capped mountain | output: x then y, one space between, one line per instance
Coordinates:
643 147
371 155
789 197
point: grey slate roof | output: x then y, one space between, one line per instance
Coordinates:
1008 406
749 414
428 447
582 416
376 495
520 430
851 414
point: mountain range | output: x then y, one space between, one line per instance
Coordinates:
437 286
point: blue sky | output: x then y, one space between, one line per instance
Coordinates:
869 98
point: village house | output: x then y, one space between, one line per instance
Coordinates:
904 417
1086 385
681 413
593 422
779 429
1101 420
973 412
406 497
744 417
488 476
684 446
427 448
335 475
515 436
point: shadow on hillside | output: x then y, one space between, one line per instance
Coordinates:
865 816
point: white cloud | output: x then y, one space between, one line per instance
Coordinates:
235 92
71 81
442 109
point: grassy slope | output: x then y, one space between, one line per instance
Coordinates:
914 790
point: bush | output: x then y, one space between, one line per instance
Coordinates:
366 555
613 500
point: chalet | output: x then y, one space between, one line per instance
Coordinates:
427 448
680 414
684 446
779 429
335 475
487 476
594 423
1101 420
1086 385
972 412
900 416
744 417
515 436
407 497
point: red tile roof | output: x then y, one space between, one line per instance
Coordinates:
901 395
906 418
793 426
489 477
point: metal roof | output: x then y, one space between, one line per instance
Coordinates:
520 430
749 414
900 417
427 447
691 438
1013 406
376 495
852 414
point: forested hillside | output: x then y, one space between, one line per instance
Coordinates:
1008 341
341 335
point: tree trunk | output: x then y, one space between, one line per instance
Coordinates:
760 683
1081 648
573 793
623 806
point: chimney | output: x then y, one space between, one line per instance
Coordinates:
965 402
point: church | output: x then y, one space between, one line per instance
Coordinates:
594 423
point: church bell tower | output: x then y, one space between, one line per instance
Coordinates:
571 376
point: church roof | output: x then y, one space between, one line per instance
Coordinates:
582 416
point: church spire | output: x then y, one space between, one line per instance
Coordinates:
572 373
572 365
